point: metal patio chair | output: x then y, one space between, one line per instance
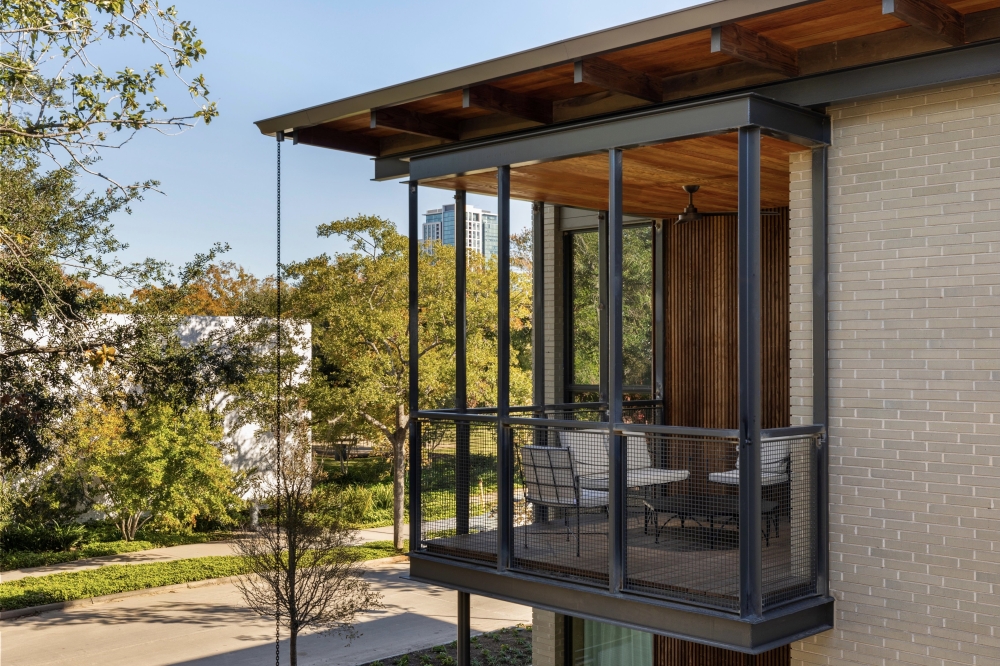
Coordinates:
550 481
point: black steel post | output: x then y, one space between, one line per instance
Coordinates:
414 351
617 509
602 295
538 302
463 646
751 601
462 457
821 409
505 458
659 318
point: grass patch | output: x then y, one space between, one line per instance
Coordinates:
22 560
510 645
114 578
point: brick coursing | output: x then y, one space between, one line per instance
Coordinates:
914 376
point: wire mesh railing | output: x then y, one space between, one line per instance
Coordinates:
458 488
682 513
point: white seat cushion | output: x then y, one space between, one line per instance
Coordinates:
589 449
592 498
732 478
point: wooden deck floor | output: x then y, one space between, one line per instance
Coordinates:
690 563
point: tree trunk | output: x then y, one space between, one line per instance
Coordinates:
398 487
293 657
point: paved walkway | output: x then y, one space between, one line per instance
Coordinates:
209 626
163 555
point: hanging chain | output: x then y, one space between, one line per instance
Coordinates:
277 428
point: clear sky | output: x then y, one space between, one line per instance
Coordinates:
267 58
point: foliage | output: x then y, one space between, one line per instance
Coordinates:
357 303
222 289
300 566
153 462
25 537
510 645
57 100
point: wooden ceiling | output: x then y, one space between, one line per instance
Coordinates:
652 177
814 37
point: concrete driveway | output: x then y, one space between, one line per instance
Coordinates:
209 626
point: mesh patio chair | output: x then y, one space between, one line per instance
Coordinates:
550 481
775 469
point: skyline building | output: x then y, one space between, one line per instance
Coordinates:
481 228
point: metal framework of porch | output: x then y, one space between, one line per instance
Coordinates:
752 626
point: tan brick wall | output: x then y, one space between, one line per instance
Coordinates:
547 638
915 378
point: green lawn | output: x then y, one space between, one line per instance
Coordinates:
111 579
22 560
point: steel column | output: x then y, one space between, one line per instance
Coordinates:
462 458
617 511
659 316
751 597
538 302
821 409
414 352
505 458
463 647
602 295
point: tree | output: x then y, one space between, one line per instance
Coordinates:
152 463
58 101
300 564
357 303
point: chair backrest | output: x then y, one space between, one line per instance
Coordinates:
637 452
589 448
548 475
774 457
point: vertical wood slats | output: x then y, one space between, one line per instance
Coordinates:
701 327
676 652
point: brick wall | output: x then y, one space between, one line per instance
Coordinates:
915 377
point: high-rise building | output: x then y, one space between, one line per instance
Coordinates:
481 228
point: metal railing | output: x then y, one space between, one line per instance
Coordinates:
681 515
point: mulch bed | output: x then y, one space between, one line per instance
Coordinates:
510 646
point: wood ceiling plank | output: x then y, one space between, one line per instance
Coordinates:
609 76
931 16
714 79
411 122
507 102
351 142
739 42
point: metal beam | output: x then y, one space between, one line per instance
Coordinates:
414 361
462 455
609 76
821 410
511 103
659 315
930 16
602 305
743 43
505 457
538 302
617 510
748 260
464 644
779 627
624 131
411 122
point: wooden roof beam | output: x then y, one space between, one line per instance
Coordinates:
930 16
411 122
739 42
510 103
603 74
326 137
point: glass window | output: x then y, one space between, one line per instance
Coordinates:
599 644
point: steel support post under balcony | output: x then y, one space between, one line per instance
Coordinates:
414 352
749 244
462 458
659 317
617 510
602 305
821 408
505 458
463 644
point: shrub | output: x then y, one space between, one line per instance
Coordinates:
54 537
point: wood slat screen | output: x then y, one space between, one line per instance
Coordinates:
702 369
675 652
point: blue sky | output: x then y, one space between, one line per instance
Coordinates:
219 180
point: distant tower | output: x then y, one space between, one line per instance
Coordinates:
481 228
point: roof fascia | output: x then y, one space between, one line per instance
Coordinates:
700 17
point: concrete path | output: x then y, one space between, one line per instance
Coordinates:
163 555
210 627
